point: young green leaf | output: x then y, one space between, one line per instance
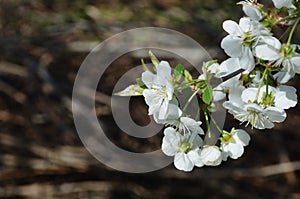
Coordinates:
207 95
178 72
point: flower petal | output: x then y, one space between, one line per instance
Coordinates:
251 11
148 78
232 28
211 156
241 136
170 142
195 157
232 46
234 150
286 97
275 114
228 67
163 72
182 162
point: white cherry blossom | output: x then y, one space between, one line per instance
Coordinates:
159 89
272 50
242 38
184 148
245 109
233 143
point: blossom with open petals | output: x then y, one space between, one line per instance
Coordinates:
159 89
246 108
279 54
184 148
233 143
242 38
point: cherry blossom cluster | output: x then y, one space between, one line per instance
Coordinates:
254 78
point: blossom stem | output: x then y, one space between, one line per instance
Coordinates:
292 31
207 123
190 99
216 124
284 18
260 84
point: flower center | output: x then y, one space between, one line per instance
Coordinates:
185 146
248 40
286 51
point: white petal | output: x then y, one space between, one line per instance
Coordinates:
234 150
192 125
163 110
232 28
241 136
182 162
247 59
148 78
218 94
267 52
275 114
163 71
286 97
224 155
211 156
194 156
271 41
232 108
228 67
283 3
153 100
249 94
232 46
283 77
170 142
262 122
172 115
170 132
251 12
235 95
245 24
296 62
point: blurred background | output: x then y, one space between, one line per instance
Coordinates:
43 43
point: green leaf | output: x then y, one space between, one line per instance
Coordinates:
132 90
178 72
207 95
154 60
179 69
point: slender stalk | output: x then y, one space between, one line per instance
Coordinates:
292 31
284 18
207 123
190 99
216 124
260 84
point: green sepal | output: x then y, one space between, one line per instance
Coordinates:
153 58
132 90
